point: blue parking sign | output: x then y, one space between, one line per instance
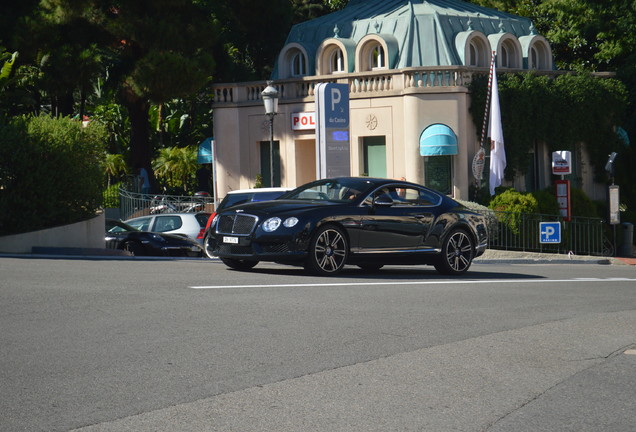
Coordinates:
550 232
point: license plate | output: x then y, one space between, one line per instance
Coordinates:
232 240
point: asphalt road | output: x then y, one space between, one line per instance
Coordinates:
187 345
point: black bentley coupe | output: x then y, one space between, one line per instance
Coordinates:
368 222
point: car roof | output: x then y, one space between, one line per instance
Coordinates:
253 190
172 214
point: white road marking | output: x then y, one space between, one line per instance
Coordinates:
442 282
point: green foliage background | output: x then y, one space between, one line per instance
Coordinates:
562 112
50 173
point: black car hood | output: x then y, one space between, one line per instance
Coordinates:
278 207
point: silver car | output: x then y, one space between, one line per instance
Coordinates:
188 224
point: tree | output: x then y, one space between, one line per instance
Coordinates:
7 61
115 167
176 166
162 50
250 38
584 34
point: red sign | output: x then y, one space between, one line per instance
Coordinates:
303 121
563 198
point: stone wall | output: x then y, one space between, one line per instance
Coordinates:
85 234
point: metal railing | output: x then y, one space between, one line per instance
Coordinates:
134 204
521 232
506 230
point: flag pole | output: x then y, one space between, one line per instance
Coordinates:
488 97
478 161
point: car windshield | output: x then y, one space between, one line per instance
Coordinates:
244 197
333 190
117 227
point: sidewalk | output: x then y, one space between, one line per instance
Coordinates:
490 256
518 257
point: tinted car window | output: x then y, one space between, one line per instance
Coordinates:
234 199
167 223
202 218
405 196
335 190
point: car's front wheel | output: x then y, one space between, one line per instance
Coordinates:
237 264
328 251
457 254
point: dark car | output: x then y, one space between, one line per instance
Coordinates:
120 235
237 197
367 222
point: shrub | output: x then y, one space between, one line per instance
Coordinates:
511 205
581 204
111 196
50 173
546 202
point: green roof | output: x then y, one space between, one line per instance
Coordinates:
425 31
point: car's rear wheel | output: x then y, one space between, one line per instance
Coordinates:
328 251
208 246
134 248
237 264
457 254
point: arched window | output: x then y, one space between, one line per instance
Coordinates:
534 59
505 58
508 51
298 65
337 63
375 52
473 56
377 57
539 56
476 50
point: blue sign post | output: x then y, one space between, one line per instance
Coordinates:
550 232
332 119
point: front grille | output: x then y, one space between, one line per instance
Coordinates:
236 224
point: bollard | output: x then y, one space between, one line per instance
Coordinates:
628 240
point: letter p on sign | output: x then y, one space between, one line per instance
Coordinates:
336 97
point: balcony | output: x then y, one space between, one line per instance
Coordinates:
380 83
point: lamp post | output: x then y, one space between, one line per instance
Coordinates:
270 100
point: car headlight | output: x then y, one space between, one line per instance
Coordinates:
271 224
290 222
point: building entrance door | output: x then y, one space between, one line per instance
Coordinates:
374 154
305 161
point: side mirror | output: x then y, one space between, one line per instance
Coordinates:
383 200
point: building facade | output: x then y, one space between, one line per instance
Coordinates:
407 64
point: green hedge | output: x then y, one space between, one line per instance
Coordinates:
50 173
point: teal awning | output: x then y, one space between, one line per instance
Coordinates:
205 154
438 140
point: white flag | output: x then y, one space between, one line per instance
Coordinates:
495 131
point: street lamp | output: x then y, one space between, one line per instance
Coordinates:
270 100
